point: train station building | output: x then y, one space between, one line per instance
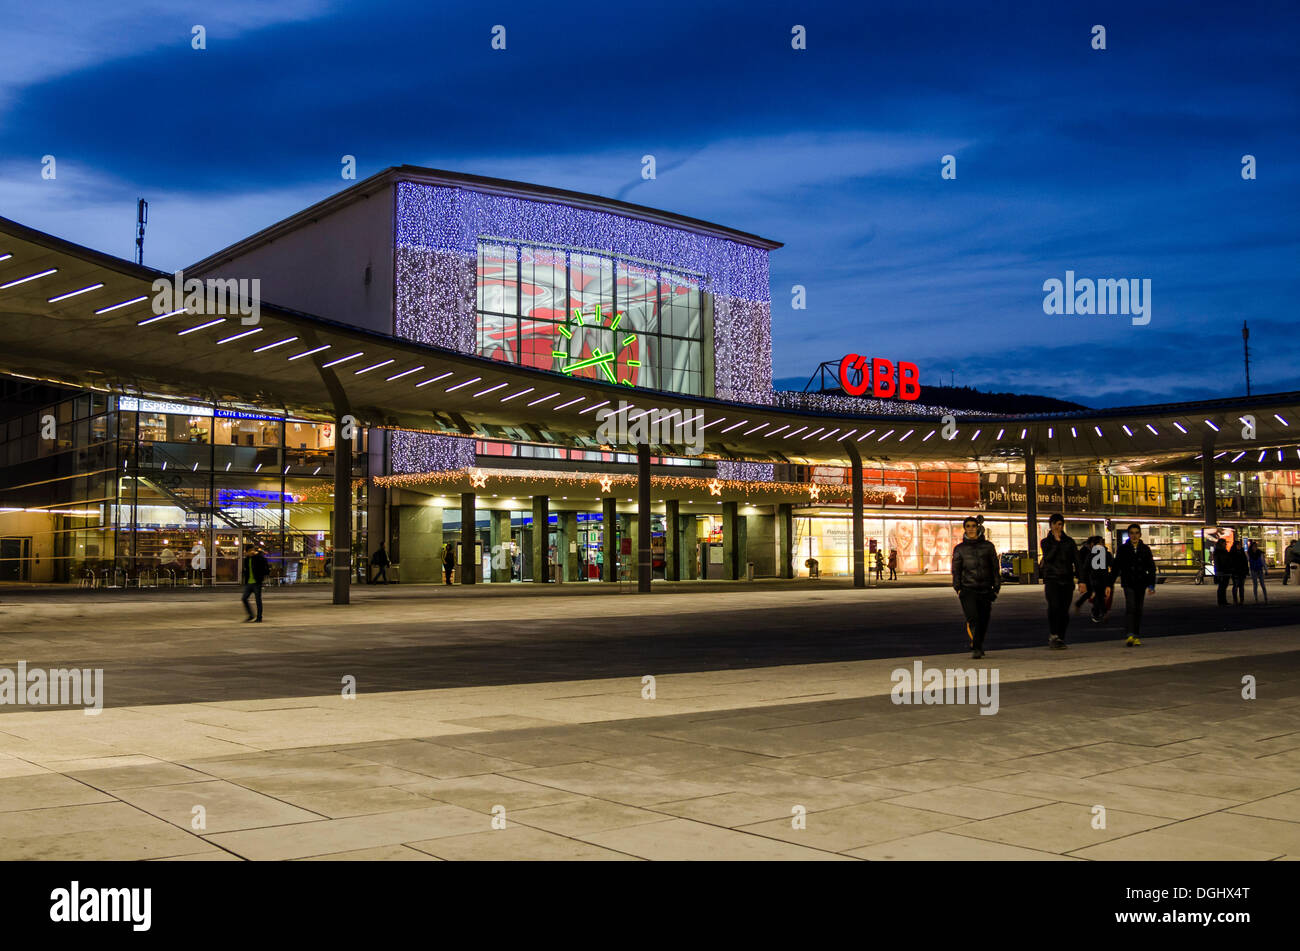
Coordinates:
561 387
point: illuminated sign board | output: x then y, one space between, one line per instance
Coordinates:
128 404
880 381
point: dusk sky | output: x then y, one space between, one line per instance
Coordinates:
1116 163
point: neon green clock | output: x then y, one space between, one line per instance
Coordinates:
625 346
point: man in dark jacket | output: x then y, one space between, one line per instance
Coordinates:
379 561
254 574
1137 573
1083 573
1058 567
1290 557
1101 577
976 577
1222 570
1239 565
448 561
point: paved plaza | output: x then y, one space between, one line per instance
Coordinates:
741 721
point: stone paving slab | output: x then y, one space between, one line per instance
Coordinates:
790 761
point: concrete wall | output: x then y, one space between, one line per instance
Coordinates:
419 538
320 268
761 545
40 529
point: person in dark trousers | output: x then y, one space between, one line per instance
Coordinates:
1058 566
893 564
448 561
880 566
1255 554
1101 578
976 577
1136 569
379 561
1290 557
254 575
1222 570
1239 565
1083 573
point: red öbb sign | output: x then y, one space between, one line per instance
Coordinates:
881 379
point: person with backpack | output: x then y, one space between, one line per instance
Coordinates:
1136 568
1058 568
448 561
1255 555
1101 578
1222 570
1239 566
255 570
976 577
1083 573
379 561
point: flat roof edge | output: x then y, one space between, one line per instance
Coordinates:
368 187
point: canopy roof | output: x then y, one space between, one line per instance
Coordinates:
75 316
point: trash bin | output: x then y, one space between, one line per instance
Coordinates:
749 571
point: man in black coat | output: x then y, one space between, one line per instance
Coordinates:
448 561
256 568
1136 569
1100 564
1239 566
976 577
1058 567
1222 570
379 561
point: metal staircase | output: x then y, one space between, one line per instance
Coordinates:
167 475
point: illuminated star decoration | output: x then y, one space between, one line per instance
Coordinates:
715 487
814 492
606 482
607 362
477 479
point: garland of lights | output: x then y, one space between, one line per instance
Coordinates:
440 218
862 405
742 350
611 484
746 471
427 452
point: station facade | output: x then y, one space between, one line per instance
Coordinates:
148 489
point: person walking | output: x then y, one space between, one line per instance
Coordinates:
893 564
254 573
976 577
1101 578
1239 565
1083 573
1136 568
448 561
379 561
1290 557
1222 570
880 566
1058 567
1255 555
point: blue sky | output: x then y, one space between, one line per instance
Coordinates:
1122 163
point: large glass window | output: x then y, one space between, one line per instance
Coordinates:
593 316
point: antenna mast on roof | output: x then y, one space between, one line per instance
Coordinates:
1245 346
141 219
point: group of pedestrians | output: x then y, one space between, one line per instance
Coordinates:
880 565
1066 567
1233 564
